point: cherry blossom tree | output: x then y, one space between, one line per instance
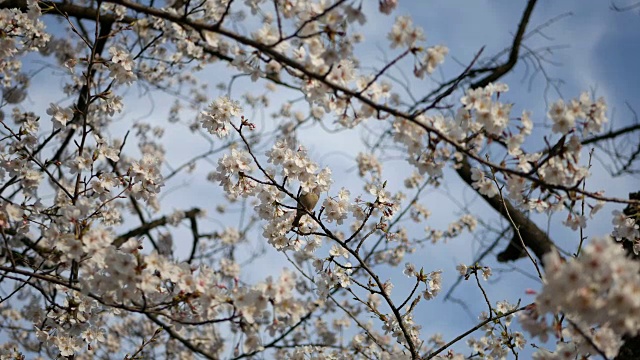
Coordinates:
98 262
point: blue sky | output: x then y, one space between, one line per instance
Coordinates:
599 52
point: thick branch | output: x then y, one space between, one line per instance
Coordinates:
503 69
534 238
191 214
611 134
77 11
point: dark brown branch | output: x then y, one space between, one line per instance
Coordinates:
611 134
534 238
77 11
503 69
196 236
350 93
381 108
191 214
616 7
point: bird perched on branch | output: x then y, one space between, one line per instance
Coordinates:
306 201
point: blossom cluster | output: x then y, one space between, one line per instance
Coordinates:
626 228
22 32
484 184
295 166
498 339
83 282
598 290
392 326
230 173
216 119
465 222
338 208
368 163
589 115
561 166
121 66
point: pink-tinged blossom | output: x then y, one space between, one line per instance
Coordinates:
65 231
368 163
434 56
67 345
217 118
230 173
59 115
336 209
598 288
121 66
484 185
575 222
624 227
486 272
403 33
580 112
474 98
409 270
387 6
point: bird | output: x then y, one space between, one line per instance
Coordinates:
307 201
